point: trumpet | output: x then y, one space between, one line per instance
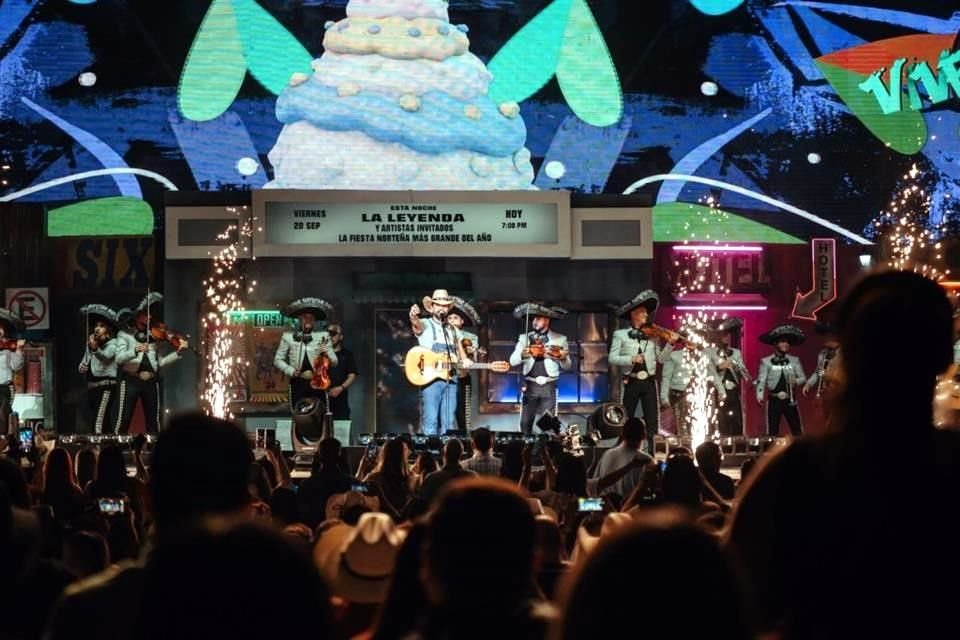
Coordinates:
738 367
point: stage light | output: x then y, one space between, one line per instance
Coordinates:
866 260
608 419
310 424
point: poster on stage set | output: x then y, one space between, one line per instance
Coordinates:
785 119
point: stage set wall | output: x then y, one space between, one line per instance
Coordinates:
279 280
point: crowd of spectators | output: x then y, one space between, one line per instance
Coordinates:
844 535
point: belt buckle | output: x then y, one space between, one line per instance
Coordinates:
729 385
782 395
541 380
145 376
642 375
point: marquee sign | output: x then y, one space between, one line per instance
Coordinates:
418 224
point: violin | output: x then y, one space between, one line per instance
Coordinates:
321 372
9 345
656 331
538 348
160 333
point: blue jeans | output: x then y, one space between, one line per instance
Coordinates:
439 407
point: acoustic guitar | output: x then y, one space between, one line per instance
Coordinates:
423 366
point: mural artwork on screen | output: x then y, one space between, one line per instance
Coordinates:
745 120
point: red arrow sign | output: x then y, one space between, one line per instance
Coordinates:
824 270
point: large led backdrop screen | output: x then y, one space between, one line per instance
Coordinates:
787 119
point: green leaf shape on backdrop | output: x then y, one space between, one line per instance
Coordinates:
215 66
527 62
685 222
586 73
113 216
272 53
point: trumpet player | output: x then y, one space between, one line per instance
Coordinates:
99 365
731 372
822 376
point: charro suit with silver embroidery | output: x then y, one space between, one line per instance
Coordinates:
100 366
623 348
290 352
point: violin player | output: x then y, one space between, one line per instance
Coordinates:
11 361
636 349
306 354
543 354
140 364
99 365
463 317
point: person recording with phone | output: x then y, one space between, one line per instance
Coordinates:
307 355
438 399
11 361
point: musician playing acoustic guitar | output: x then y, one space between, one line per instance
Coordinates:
300 351
438 402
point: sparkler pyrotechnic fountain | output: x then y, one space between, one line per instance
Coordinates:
696 272
909 241
225 290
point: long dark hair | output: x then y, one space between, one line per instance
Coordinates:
58 475
111 470
393 460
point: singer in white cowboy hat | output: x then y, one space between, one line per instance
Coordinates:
11 361
439 398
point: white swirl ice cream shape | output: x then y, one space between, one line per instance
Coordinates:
398 102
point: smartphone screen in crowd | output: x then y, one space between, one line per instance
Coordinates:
26 439
591 504
111 506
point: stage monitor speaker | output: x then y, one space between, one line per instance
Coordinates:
608 420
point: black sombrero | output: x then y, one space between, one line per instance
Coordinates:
725 325
152 298
792 334
12 323
466 311
647 298
321 309
825 328
534 309
100 312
